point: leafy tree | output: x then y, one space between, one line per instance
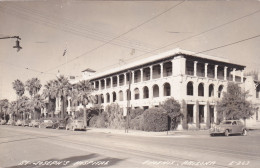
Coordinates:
173 109
18 86
234 104
4 103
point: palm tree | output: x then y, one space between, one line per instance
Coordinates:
61 90
84 89
49 94
18 86
33 86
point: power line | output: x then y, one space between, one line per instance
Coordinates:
203 32
94 49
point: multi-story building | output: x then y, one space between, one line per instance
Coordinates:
196 80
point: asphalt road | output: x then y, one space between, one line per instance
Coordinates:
33 147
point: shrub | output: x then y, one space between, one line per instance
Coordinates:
155 119
173 109
101 122
93 121
137 123
114 116
136 112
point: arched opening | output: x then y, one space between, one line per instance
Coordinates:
190 88
114 96
96 99
201 89
102 98
220 89
108 97
120 95
155 91
211 90
146 92
136 91
128 92
166 89
258 91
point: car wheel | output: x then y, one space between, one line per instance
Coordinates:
226 133
244 133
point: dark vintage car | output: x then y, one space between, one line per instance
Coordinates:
75 125
228 127
46 124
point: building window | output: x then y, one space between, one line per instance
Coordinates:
201 89
220 89
190 113
114 96
190 88
120 95
155 91
136 93
102 98
167 89
146 92
108 98
257 91
201 114
211 90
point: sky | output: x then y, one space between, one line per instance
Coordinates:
107 34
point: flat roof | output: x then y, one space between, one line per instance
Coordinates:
158 57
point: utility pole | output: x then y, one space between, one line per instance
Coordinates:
128 102
17 44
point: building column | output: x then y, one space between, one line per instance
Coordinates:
242 76
161 66
95 84
141 70
225 73
234 74
68 108
105 98
105 83
151 72
111 82
195 113
215 114
99 86
195 68
125 77
216 71
205 113
172 66
206 70
117 80
133 77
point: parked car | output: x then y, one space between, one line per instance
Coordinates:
46 124
2 122
11 122
228 127
75 125
59 124
25 123
18 123
34 123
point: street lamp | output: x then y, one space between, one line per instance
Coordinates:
17 43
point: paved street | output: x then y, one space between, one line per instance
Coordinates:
35 147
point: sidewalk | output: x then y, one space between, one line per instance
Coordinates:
184 133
